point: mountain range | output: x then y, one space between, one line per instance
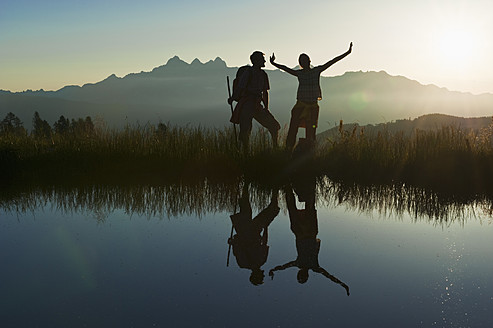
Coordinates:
196 93
426 122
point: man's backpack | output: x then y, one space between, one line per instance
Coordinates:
242 70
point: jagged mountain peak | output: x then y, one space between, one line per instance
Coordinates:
175 62
196 62
111 77
218 62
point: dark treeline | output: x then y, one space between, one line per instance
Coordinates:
11 125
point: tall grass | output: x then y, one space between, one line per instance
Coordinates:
448 156
444 158
162 151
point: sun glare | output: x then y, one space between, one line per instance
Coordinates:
456 45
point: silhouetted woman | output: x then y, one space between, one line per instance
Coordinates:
305 112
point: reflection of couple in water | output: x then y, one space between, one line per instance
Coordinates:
250 242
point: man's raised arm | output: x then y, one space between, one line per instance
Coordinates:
281 67
336 59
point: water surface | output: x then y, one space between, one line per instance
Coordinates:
158 257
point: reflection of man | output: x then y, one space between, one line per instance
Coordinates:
305 227
250 242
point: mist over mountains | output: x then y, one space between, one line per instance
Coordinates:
196 93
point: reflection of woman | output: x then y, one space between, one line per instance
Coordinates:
250 242
305 228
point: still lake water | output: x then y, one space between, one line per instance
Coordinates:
158 257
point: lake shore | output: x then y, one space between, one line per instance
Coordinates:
446 160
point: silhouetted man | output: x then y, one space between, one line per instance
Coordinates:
251 91
250 242
305 112
304 225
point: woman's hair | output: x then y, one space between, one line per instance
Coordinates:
304 61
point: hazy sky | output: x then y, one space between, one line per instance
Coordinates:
49 44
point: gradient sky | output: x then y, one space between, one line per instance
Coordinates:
49 44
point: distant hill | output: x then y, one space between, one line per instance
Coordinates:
425 122
195 93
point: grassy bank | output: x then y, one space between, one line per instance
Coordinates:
155 152
446 159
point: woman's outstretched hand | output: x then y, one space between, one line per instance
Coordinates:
272 59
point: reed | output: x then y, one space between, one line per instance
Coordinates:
161 151
444 158
201 198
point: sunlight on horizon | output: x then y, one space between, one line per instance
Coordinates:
456 47
459 40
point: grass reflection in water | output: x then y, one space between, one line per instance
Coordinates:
202 197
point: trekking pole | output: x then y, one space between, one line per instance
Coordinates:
229 242
231 105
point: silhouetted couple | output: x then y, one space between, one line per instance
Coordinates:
251 90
